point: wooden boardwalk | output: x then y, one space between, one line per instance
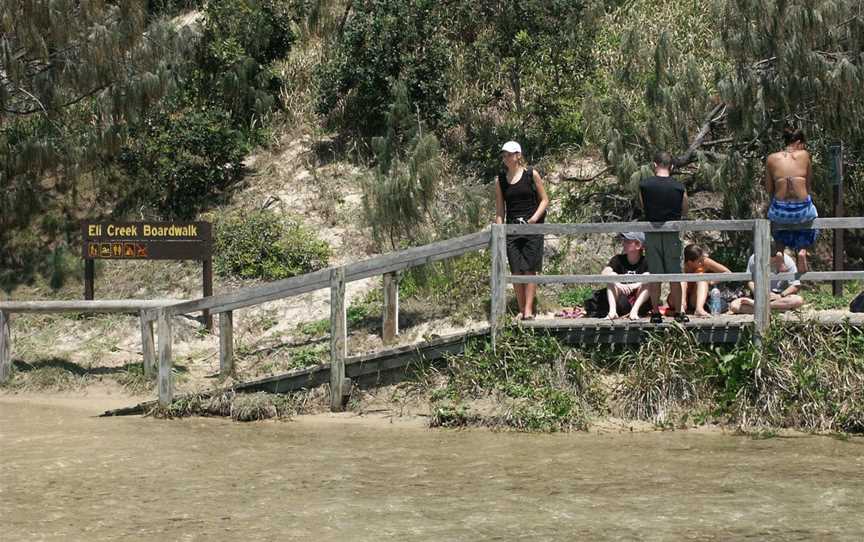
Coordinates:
346 369
725 328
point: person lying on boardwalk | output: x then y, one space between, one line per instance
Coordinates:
789 182
663 198
631 261
696 293
784 293
520 198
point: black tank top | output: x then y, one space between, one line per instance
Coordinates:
520 198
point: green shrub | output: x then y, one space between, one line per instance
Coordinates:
261 245
385 41
240 41
180 160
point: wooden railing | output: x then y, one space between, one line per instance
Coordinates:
760 228
7 308
336 278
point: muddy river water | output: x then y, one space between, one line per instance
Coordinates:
66 475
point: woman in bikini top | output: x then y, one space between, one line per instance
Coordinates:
788 176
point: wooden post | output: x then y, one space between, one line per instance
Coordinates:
226 343
761 271
166 379
836 152
89 279
390 324
207 269
498 302
148 345
338 340
5 348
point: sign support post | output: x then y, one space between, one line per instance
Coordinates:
835 152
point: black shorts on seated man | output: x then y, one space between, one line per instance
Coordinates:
663 199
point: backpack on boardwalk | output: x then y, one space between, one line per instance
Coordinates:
857 304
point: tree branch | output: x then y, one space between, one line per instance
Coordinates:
710 119
602 172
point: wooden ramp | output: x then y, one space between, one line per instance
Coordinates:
375 369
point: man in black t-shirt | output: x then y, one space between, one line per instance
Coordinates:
663 198
628 296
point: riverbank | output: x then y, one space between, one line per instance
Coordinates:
804 376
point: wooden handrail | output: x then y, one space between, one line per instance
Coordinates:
83 306
648 278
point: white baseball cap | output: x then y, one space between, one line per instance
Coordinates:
511 146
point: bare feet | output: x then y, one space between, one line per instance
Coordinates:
633 316
701 314
520 316
612 315
803 266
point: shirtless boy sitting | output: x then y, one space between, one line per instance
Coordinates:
631 261
784 293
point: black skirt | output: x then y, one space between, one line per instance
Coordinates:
525 253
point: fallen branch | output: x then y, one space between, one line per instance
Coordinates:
602 172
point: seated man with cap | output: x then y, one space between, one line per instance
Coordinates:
784 294
631 296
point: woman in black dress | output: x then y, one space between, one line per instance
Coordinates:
521 198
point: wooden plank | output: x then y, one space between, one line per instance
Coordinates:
848 223
761 280
617 227
246 297
390 323
5 348
365 365
338 339
815 276
603 279
498 301
403 259
82 306
166 378
226 343
148 345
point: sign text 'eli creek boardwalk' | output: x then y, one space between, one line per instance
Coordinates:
147 240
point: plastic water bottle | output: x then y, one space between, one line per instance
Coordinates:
714 301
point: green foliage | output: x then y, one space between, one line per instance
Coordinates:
458 287
385 41
820 296
517 73
240 41
543 387
398 198
576 295
180 161
261 245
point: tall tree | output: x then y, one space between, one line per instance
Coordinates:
73 73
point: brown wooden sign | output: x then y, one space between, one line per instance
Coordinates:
147 240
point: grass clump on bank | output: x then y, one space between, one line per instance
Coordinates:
530 383
804 376
237 406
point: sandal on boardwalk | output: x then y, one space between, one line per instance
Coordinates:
681 318
656 318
